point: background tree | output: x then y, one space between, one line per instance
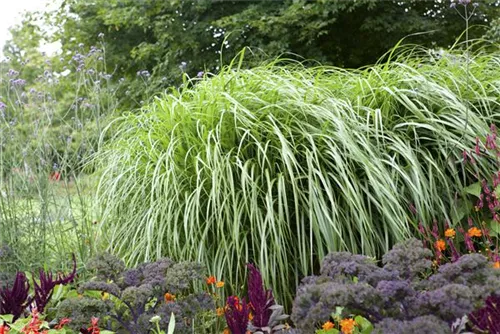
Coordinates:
169 38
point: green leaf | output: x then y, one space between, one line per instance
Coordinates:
171 324
497 191
494 227
473 189
462 209
365 325
330 331
58 331
7 318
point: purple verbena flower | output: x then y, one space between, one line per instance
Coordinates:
18 82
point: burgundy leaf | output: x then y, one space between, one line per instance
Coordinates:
260 299
14 301
237 315
47 283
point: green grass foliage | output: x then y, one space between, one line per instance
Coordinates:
281 164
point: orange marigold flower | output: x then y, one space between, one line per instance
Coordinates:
450 233
219 284
219 311
496 265
250 316
211 280
440 245
474 232
169 298
347 325
226 331
328 325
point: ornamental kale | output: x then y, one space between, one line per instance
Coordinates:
131 297
399 297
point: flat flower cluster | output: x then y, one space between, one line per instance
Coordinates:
399 297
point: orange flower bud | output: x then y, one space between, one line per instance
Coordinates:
347 326
169 298
474 232
328 325
440 245
211 280
450 233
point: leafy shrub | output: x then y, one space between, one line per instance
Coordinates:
402 295
280 165
129 298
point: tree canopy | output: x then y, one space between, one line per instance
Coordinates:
170 38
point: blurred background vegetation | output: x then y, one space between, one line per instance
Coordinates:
116 55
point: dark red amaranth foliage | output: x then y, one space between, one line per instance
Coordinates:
15 300
488 318
44 289
260 299
236 314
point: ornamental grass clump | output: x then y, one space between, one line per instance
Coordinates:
402 295
280 164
